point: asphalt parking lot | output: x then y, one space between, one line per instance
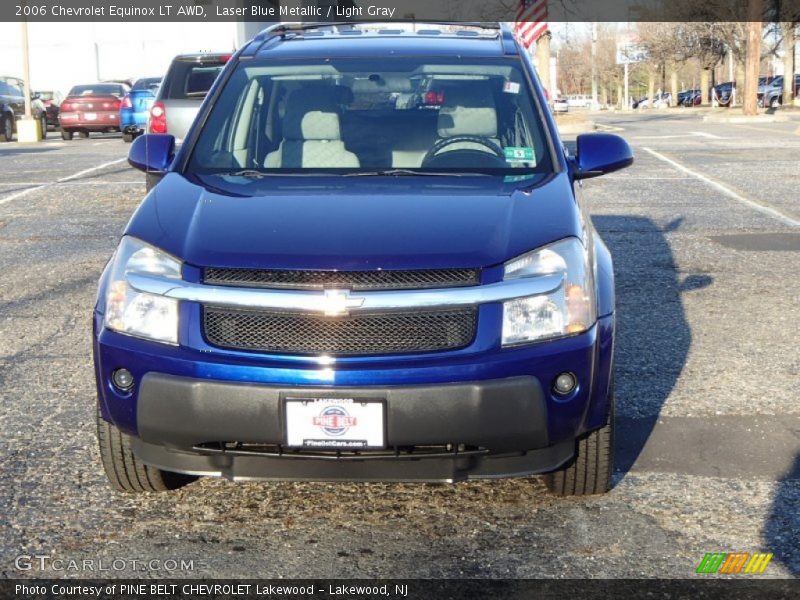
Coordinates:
705 233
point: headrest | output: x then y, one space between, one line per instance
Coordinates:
312 114
468 110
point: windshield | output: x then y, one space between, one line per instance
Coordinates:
148 83
372 116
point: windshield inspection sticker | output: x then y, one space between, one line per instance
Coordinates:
509 87
519 154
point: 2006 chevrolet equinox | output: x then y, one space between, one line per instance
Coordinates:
367 261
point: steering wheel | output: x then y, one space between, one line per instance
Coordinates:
496 150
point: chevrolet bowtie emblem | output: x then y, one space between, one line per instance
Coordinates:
339 302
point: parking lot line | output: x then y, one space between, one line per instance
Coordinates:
766 130
99 182
46 183
62 180
767 210
708 135
644 178
604 127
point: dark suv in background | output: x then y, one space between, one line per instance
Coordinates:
12 107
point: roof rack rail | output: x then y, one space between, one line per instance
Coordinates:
508 40
282 29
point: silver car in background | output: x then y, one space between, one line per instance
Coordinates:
182 90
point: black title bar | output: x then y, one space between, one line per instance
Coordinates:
701 588
268 11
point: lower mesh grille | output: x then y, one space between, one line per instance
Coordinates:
299 333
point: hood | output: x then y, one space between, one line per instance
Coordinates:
351 223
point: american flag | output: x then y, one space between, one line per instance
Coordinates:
531 21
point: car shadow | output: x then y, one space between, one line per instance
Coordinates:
35 148
653 335
782 531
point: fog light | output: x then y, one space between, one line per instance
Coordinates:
123 379
565 383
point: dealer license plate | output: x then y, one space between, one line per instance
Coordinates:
335 423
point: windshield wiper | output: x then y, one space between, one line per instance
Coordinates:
244 173
411 172
255 174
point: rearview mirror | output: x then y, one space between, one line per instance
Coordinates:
152 153
601 153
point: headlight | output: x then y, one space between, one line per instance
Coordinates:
136 313
569 309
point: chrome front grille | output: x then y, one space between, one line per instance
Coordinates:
365 334
351 280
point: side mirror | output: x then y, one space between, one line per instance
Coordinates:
601 153
152 153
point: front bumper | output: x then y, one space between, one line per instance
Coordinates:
400 468
498 400
445 432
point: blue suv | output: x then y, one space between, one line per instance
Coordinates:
368 260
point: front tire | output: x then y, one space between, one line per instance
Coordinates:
7 129
127 138
775 102
83 134
125 472
66 134
590 470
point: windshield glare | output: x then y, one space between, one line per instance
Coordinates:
370 115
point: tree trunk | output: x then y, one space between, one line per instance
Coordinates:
704 87
620 99
788 31
673 86
753 57
651 89
739 81
543 61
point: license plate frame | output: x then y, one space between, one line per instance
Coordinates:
331 422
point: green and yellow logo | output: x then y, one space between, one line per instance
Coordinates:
733 563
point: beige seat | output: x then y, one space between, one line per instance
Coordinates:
468 109
311 135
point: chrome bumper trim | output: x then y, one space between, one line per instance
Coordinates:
342 302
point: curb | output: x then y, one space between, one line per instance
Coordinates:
576 128
747 119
